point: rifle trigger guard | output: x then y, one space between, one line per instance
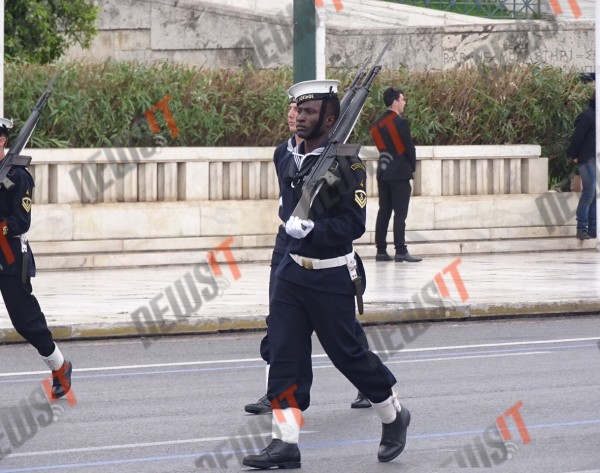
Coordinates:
330 178
7 183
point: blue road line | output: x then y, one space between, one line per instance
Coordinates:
305 446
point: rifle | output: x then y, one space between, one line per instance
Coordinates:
321 171
349 95
13 157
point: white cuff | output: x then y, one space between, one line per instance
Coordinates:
54 361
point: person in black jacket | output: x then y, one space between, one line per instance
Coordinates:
17 267
397 163
582 151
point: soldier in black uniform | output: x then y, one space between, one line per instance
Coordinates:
281 158
314 292
17 266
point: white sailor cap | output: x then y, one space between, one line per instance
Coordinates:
313 90
6 122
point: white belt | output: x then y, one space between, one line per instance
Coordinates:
314 263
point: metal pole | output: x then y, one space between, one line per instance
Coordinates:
304 40
320 40
596 71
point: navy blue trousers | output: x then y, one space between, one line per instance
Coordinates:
25 314
297 311
264 343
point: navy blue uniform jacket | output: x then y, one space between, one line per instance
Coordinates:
281 158
15 211
339 215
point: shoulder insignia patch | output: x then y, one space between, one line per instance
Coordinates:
356 166
360 197
26 203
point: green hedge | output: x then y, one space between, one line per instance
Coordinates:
105 104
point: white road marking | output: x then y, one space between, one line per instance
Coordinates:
249 360
466 357
142 445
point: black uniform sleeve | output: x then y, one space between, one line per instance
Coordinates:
279 160
18 220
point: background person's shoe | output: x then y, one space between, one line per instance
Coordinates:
592 234
582 235
262 406
407 257
383 257
361 402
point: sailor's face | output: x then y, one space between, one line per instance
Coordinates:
3 141
308 117
292 114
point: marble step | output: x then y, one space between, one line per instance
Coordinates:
431 247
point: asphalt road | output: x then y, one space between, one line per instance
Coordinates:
174 405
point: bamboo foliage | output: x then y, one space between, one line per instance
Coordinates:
105 105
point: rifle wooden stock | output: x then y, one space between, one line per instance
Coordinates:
22 138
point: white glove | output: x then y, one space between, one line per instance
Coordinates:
298 228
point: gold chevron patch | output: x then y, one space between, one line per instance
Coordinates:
360 197
26 203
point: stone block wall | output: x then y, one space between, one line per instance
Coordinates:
220 34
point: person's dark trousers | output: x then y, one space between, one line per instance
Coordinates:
264 343
586 209
361 336
25 314
295 312
393 196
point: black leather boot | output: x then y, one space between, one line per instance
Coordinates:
262 406
61 380
393 437
361 402
277 454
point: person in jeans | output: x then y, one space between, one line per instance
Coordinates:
582 151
